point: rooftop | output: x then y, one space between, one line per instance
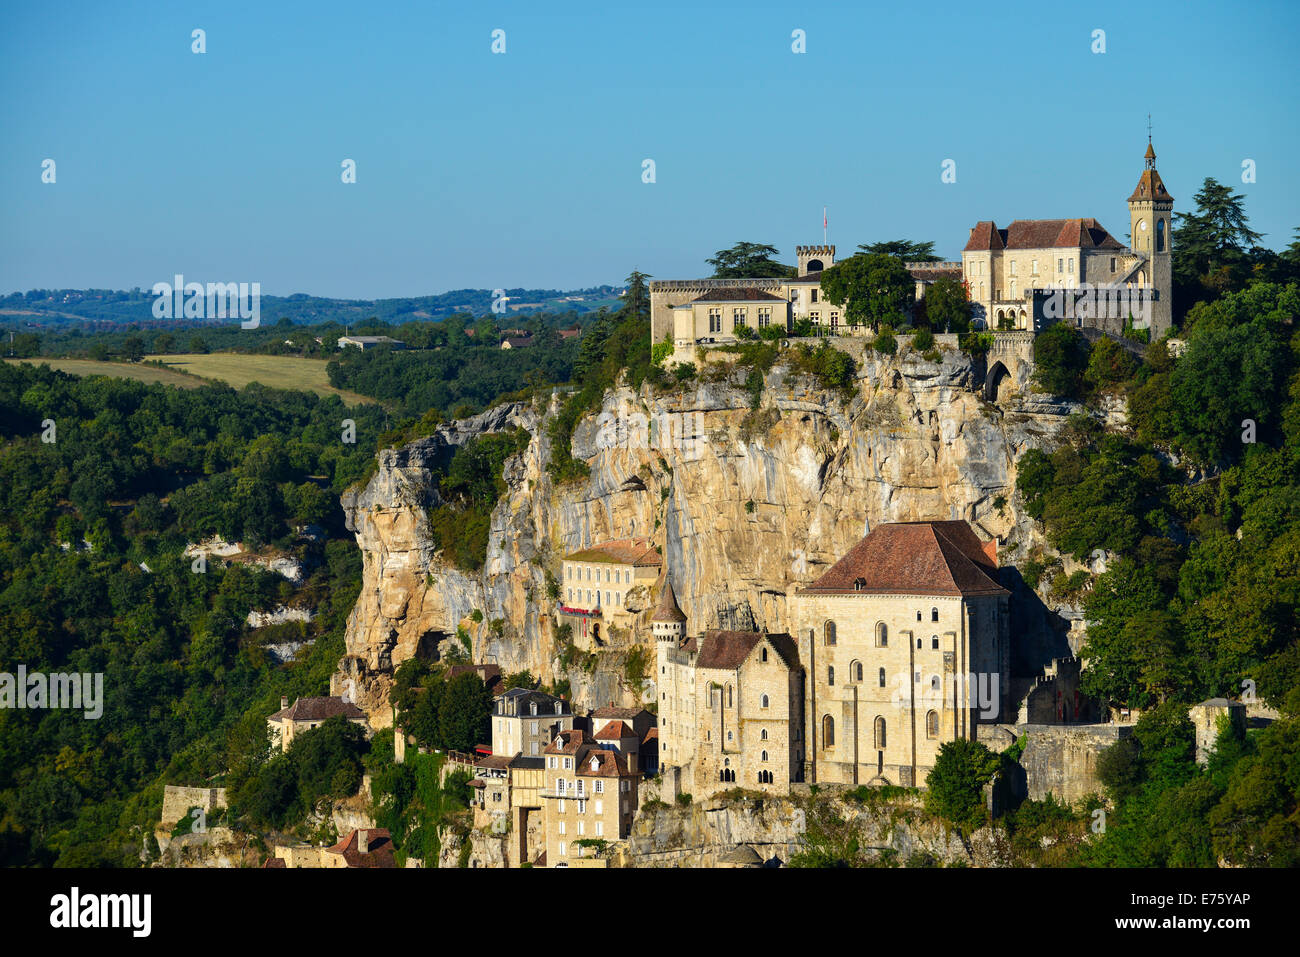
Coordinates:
626 551
914 558
318 709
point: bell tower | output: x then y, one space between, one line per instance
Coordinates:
1150 211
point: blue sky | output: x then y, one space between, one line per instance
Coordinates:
524 169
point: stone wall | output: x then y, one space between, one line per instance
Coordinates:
1061 760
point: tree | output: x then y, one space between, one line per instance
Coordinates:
1060 359
956 783
945 306
198 344
904 249
749 261
1109 365
872 288
465 717
133 348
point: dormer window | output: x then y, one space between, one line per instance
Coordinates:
534 708
859 584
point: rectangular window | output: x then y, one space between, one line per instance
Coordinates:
1013 267
582 828
568 764
1071 265
550 762
835 320
564 849
816 318
1060 265
1033 267
764 316
600 828
737 317
600 787
813 296
1112 263
561 799
715 320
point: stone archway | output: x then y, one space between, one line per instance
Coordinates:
993 380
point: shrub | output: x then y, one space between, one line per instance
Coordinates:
923 341
885 343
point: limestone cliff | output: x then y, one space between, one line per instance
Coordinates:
745 504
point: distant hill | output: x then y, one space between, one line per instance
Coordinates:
48 307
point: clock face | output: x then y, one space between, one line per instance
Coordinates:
1143 225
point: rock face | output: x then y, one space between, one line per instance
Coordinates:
698 835
745 504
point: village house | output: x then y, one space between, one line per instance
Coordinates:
597 582
631 732
308 713
369 342
525 722
589 796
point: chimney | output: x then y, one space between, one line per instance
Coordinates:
363 845
284 701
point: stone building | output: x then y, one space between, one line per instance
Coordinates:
730 704
589 795
1206 717
596 582
308 713
1009 272
906 641
630 732
525 722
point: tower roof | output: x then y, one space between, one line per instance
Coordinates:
667 609
1150 188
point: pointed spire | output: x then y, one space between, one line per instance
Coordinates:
667 608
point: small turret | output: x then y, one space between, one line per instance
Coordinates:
667 620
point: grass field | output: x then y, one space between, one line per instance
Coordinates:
236 369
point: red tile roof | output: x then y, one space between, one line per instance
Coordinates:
615 731
567 742
914 558
1041 234
626 551
318 709
379 853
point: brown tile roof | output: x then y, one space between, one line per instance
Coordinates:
609 764
726 649
651 735
914 558
318 709
667 609
787 648
615 731
737 295
570 333
273 862
567 742
495 762
476 783
518 342
1042 234
985 235
1150 187
379 854
626 551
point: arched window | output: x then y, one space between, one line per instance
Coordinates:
882 677
762 703
934 683
880 734
855 671
882 635
829 629
1160 235
918 614
918 642
934 614
764 755
828 732
934 641
763 735
763 655
729 698
932 724
830 675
